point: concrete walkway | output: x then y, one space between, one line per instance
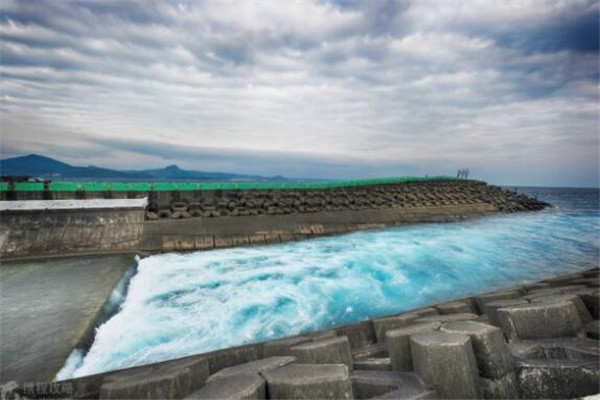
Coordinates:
47 306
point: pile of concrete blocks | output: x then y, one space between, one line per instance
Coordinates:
534 341
234 203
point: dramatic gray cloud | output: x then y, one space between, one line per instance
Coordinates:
326 89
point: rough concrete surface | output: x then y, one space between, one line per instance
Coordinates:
26 233
305 381
47 307
165 381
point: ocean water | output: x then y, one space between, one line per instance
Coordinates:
182 304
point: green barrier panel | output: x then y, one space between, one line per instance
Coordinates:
170 186
94 186
141 187
62 186
163 186
29 186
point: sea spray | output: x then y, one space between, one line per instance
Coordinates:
182 304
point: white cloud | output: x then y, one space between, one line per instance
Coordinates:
434 84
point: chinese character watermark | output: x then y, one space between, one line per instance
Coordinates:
35 390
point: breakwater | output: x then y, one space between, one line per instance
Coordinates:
200 220
205 216
538 340
185 200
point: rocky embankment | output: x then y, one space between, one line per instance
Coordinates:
536 341
233 203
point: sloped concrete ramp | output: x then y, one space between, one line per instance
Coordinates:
47 307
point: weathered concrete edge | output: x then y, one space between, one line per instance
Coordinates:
360 334
30 233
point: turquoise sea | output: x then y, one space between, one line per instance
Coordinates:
181 304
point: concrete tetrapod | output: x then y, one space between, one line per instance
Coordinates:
164 381
540 320
582 310
447 318
326 351
503 295
491 308
252 367
236 387
382 325
372 350
369 384
591 299
309 381
282 347
373 364
557 379
501 388
446 361
398 344
462 306
492 353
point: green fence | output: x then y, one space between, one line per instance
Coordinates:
169 186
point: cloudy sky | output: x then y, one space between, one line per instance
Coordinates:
325 89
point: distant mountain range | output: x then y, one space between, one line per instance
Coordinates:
38 166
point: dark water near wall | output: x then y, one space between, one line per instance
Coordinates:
182 304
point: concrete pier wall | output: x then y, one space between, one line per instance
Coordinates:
43 232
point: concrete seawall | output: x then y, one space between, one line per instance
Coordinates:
57 230
198 220
532 341
220 232
184 221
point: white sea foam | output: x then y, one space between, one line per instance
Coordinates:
181 304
